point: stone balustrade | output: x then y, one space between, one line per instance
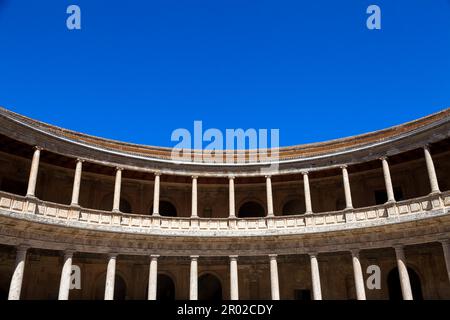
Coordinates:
48 212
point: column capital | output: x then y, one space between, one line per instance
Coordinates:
194 258
268 176
157 173
233 257
119 169
313 254
426 147
304 172
445 242
383 158
343 166
355 252
154 256
80 160
22 247
194 177
398 247
231 177
273 256
38 148
113 255
69 252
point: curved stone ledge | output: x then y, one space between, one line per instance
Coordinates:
42 212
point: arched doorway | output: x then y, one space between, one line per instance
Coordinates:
395 289
107 203
209 288
251 209
120 288
293 207
165 288
166 209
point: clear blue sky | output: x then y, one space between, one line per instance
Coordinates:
140 69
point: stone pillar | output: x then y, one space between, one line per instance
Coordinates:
77 183
117 189
403 273
153 277
388 180
347 190
15 287
315 277
274 284
194 213
358 275
269 196
31 192
446 249
234 279
431 170
231 198
156 192
64 284
110 277
193 288
308 202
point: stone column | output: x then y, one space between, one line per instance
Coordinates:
64 284
388 180
315 277
193 288
31 192
156 192
15 287
153 277
431 170
110 277
269 196
194 213
347 190
308 203
231 198
274 284
403 273
358 275
77 183
117 189
234 279
446 249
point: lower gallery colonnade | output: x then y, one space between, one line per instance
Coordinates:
359 283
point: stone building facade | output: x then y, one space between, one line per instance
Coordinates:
134 224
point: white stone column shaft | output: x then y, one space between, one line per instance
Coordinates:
194 213
64 283
156 192
193 287
403 273
274 282
315 277
234 279
153 277
388 180
77 183
446 249
117 190
31 191
308 202
15 287
358 276
269 196
347 189
110 277
231 197
431 170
